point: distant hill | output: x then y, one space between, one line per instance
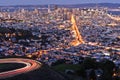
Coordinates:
110 5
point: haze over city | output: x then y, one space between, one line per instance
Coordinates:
38 2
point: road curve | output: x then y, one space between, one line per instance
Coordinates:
30 66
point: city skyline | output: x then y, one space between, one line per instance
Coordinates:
40 2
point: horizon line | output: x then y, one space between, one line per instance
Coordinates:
53 4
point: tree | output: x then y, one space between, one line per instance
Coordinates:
90 63
61 61
81 72
107 67
92 75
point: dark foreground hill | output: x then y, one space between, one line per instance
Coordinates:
43 73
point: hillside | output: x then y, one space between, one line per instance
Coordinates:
44 73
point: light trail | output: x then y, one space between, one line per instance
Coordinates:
78 39
30 66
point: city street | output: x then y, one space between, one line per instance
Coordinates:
30 66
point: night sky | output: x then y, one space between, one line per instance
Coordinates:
37 2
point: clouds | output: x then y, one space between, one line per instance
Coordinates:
25 2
